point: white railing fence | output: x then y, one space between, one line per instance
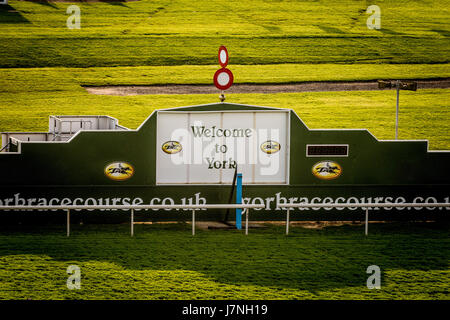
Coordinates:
364 206
246 207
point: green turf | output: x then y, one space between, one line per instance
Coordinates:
184 32
45 79
167 262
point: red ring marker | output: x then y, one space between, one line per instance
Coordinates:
223 56
223 79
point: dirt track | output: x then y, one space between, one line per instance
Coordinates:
253 88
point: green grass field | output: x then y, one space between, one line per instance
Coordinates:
31 95
43 66
167 262
159 42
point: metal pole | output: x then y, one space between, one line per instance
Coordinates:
193 222
231 193
246 221
68 222
287 221
396 114
132 222
367 221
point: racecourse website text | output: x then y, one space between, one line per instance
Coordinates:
271 203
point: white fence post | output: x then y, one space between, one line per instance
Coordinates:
68 222
246 221
132 222
193 222
287 221
367 221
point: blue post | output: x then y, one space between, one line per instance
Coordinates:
239 200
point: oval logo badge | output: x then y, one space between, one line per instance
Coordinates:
270 147
119 171
171 147
327 170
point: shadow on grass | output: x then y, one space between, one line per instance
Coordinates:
313 260
46 3
391 32
120 3
329 29
10 15
444 33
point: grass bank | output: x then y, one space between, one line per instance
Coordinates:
29 96
35 34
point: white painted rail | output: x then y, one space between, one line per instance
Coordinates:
364 206
191 207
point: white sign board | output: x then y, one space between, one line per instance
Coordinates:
206 147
